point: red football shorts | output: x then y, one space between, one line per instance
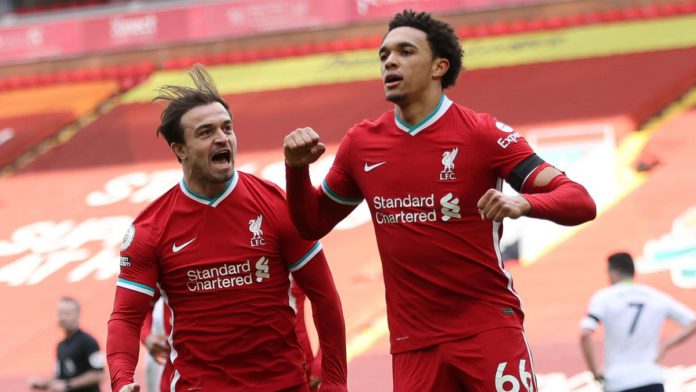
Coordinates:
497 360
297 388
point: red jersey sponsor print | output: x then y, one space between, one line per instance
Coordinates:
443 270
222 267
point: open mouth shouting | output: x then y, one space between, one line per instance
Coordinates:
222 159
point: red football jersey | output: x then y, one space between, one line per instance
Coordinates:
222 267
443 272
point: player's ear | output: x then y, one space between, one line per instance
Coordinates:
179 150
440 67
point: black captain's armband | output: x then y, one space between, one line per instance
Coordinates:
522 171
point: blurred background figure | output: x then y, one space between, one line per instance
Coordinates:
80 364
633 315
156 327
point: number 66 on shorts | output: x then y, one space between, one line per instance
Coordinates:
494 360
510 383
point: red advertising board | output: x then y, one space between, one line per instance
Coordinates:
40 40
135 30
144 29
383 9
248 17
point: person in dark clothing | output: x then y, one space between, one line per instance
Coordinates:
80 366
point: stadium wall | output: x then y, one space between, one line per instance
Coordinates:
368 27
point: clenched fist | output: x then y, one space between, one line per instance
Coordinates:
496 206
302 147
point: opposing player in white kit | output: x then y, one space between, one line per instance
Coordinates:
632 315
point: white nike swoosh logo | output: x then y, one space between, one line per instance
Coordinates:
372 167
176 248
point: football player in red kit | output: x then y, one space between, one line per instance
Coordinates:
432 172
219 248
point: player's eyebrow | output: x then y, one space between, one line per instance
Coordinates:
398 45
210 124
203 126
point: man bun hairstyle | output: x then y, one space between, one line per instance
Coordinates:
441 37
181 99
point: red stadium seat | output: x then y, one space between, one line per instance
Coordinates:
535 25
205 59
354 43
145 68
667 9
465 32
234 57
631 13
554 23
125 71
499 28
480 31
687 8
321 47
185 62
363 43
110 72
126 83
303 49
43 79
92 73
591 18
574 20
32 81
251 55
517 26
650 11
374 41
217 58
339 45
269 53
14 82
287 51
77 75
170 64
62 77
611 15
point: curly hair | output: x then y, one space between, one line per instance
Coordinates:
441 37
181 99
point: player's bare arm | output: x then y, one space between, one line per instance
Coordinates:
39 385
588 354
302 147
